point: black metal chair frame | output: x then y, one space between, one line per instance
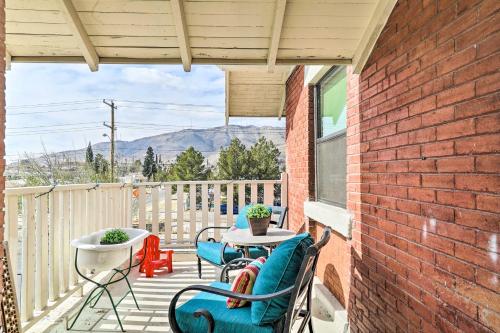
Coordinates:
300 293
282 211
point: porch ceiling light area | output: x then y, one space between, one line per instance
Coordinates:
246 32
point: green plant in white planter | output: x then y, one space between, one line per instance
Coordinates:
114 236
259 217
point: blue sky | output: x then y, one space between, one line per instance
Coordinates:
60 106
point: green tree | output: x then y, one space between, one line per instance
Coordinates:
189 165
101 166
234 162
149 167
89 155
265 159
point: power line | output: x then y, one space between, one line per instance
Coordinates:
51 104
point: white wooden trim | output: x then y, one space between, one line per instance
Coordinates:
227 76
28 258
168 214
217 210
12 215
83 40
335 217
204 207
241 196
253 193
155 227
42 254
176 61
142 207
182 33
192 211
282 102
66 238
180 213
372 32
279 16
55 253
229 204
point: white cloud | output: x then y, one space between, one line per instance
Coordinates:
50 83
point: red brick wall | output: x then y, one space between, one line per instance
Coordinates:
334 263
426 242
299 147
423 173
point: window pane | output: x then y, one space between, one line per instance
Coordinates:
333 110
332 170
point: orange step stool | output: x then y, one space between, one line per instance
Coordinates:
153 256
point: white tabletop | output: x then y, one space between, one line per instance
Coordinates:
244 237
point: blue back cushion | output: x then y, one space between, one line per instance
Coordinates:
278 273
241 220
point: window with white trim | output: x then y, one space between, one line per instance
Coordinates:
331 124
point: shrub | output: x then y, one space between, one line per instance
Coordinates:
258 211
114 236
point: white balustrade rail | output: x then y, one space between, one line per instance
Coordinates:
41 222
39 225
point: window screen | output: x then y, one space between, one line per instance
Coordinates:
331 159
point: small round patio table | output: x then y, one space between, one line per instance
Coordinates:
245 239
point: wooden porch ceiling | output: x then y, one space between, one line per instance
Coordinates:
242 32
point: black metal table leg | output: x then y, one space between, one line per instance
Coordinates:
103 287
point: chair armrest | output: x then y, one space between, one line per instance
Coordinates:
203 230
221 292
233 265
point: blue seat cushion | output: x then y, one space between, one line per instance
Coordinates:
211 251
241 220
279 272
226 320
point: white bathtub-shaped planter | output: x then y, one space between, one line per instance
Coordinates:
94 256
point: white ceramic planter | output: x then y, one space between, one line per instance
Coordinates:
94 256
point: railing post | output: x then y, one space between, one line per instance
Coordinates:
229 204
192 211
42 253
155 228
217 209
28 258
204 206
11 231
180 212
54 245
253 193
168 214
142 207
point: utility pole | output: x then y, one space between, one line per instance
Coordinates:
112 137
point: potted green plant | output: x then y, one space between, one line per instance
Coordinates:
114 236
258 217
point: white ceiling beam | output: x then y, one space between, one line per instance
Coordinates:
279 16
227 74
377 22
182 33
83 40
282 102
176 61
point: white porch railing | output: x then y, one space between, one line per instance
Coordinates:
41 221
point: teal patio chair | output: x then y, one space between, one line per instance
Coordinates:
281 295
218 254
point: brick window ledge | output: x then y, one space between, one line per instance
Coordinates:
335 217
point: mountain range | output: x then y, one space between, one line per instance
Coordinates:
169 145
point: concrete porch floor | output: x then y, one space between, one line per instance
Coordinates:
153 296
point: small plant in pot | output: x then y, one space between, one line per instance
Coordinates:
114 236
258 217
